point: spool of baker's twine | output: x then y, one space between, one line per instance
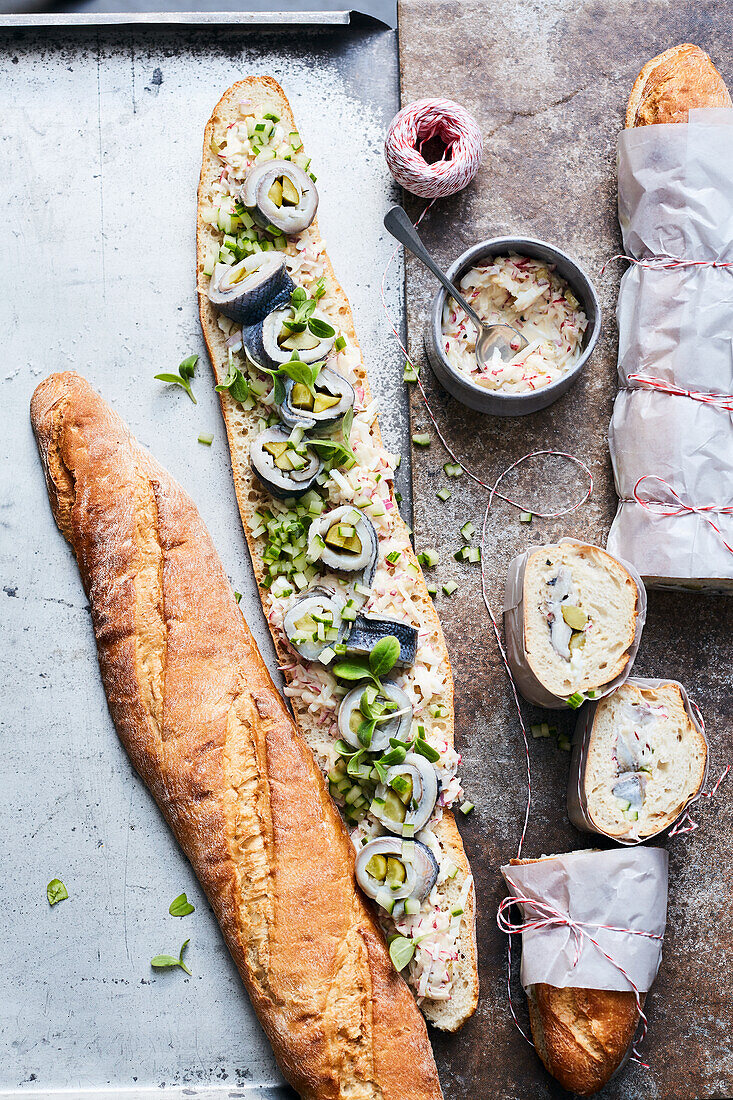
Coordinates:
428 120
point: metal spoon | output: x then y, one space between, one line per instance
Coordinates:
490 338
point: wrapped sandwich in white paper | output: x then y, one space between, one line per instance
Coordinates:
640 759
583 1007
676 327
573 617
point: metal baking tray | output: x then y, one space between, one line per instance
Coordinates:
102 131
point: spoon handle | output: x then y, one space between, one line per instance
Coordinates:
399 225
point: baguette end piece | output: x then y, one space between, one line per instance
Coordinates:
669 85
582 1036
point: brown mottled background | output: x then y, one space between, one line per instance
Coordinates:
548 84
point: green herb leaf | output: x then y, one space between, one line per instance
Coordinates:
180 906
367 702
277 380
352 768
384 656
334 453
365 733
305 373
352 670
380 770
235 383
163 962
401 951
298 296
394 756
345 750
56 891
426 750
186 370
320 328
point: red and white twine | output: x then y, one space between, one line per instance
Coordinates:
718 400
677 507
666 263
421 122
549 917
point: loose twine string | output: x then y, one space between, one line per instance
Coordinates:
549 916
493 492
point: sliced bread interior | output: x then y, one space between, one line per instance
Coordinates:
646 759
580 611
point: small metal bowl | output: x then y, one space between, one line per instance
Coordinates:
491 401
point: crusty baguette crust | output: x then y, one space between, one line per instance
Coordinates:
447 1015
205 727
671 84
581 1035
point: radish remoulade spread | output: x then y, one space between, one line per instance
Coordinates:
528 295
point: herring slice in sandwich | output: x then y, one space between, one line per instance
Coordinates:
640 758
573 616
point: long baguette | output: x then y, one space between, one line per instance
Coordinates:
205 727
456 892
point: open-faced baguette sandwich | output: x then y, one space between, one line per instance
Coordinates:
205 727
359 641
672 84
573 616
584 1021
640 757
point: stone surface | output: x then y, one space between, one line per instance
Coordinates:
548 83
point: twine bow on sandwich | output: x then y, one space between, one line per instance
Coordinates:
543 915
677 507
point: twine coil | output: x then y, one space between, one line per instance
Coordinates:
417 124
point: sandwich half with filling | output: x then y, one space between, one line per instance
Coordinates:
639 760
573 617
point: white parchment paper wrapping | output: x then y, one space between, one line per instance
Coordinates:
676 199
624 887
527 683
577 794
